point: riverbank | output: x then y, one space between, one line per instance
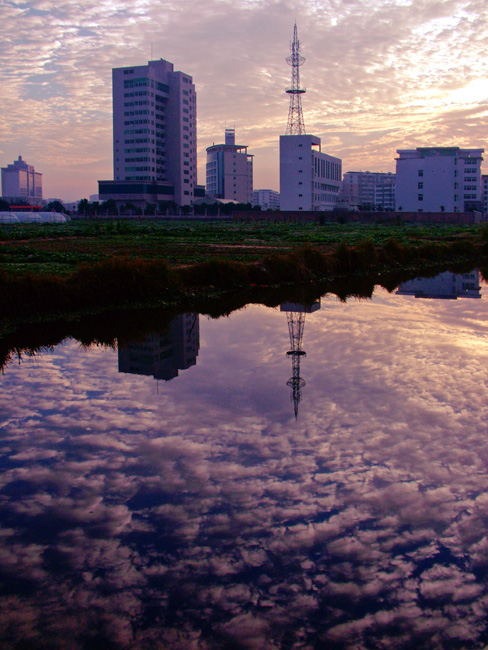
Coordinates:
96 266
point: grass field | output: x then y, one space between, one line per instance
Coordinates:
61 248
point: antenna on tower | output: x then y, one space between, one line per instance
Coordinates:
295 125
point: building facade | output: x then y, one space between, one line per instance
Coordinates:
155 139
368 190
229 170
21 181
266 199
309 179
484 180
439 179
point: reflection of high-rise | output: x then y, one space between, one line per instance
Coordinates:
162 355
295 314
445 286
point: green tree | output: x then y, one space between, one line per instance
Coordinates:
55 206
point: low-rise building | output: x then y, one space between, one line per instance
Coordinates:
266 199
367 190
439 179
229 170
21 181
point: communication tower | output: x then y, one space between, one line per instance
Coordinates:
295 125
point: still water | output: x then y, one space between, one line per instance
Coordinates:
204 489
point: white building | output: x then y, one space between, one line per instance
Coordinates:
484 179
154 131
21 181
267 199
229 170
309 179
372 190
439 179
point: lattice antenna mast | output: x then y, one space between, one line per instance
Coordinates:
296 125
296 324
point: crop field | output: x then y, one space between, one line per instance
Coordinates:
61 248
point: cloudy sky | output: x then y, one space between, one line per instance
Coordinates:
379 75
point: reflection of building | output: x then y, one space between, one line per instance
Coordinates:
21 181
162 355
445 285
295 314
155 138
229 170
439 179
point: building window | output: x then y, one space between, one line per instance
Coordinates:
420 197
421 172
420 186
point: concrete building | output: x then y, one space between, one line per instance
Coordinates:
229 170
21 181
267 199
309 179
154 131
368 190
484 180
439 179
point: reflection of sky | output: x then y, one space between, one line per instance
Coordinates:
199 514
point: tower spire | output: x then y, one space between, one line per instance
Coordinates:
295 125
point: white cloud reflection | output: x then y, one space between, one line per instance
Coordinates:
197 514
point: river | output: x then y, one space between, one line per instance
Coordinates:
305 476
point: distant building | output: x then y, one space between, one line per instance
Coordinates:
439 179
309 179
373 190
155 140
485 192
267 199
229 170
446 286
21 181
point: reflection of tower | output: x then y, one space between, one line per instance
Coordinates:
295 314
163 354
296 125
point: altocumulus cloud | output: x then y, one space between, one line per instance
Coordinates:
380 75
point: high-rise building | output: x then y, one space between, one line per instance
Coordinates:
309 179
484 180
21 181
229 170
439 179
267 199
154 131
369 190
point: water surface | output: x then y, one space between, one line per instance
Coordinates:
178 493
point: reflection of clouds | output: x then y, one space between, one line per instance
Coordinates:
189 521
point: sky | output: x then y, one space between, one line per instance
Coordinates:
380 75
